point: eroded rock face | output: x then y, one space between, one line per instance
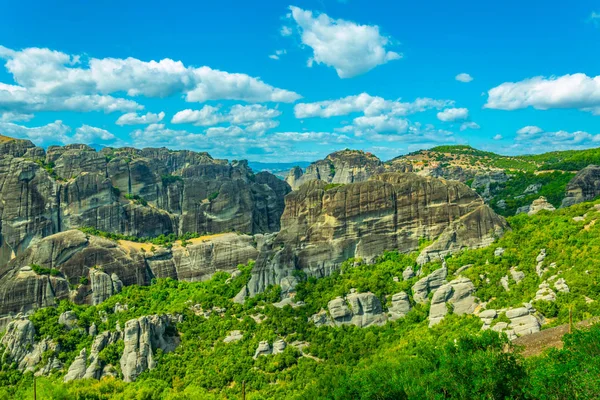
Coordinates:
400 306
142 337
143 193
359 309
322 227
539 205
584 186
458 293
347 166
431 282
108 266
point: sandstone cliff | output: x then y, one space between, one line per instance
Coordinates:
322 226
88 269
584 186
143 193
346 166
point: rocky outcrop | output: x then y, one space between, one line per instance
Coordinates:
142 337
342 167
97 369
142 193
359 309
324 226
400 306
523 321
107 266
458 294
584 186
539 205
431 282
78 367
263 349
68 319
484 181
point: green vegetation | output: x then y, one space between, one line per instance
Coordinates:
569 160
171 179
49 167
403 359
213 196
44 271
161 240
332 185
137 199
553 187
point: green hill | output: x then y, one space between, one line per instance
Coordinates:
400 359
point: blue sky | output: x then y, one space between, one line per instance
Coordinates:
289 81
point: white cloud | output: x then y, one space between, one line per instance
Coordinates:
277 54
350 48
568 91
497 137
469 125
464 77
52 133
135 119
18 99
48 76
237 115
594 17
90 134
453 114
57 133
366 104
285 31
15 117
380 124
530 130
534 139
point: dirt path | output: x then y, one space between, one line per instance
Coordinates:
536 343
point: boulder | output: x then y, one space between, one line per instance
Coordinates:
584 186
233 336
408 273
263 349
458 293
279 346
78 367
68 319
400 306
539 205
142 337
561 285
429 283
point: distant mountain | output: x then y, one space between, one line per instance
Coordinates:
279 169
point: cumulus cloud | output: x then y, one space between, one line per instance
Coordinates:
90 134
237 115
15 117
368 105
469 125
350 48
568 91
135 119
497 137
52 79
277 54
20 100
530 130
453 114
537 140
464 77
285 31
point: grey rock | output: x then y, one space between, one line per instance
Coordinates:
499 251
263 349
78 367
68 319
428 284
18 340
400 306
561 285
142 337
584 186
458 293
539 205
517 276
408 273
504 283
533 188
279 346
96 366
522 210
233 336
462 269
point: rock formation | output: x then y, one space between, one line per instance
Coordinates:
142 337
458 293
359 309
539 205
108 265
584 186
128 191
431 282
322 226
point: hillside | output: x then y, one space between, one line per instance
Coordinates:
279 350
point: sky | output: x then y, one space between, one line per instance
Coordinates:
280 81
